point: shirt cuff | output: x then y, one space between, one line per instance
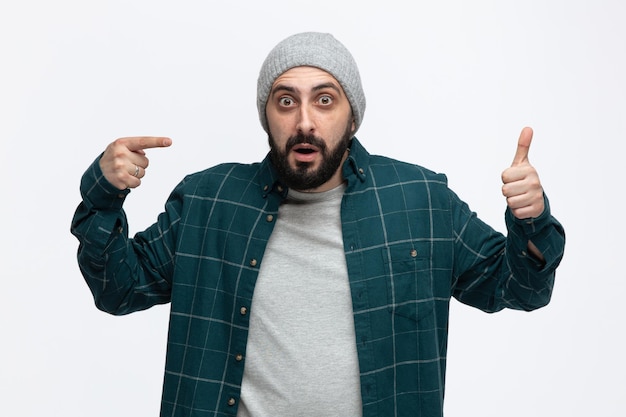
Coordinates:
544 231
532 226
97 192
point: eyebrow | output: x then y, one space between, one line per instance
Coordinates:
327 85
290 89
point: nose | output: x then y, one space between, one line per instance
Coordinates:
305 122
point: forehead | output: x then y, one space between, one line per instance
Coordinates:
305 77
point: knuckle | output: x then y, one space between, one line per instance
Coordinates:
119 142
143 142
118 164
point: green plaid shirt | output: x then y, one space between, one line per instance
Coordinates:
410 246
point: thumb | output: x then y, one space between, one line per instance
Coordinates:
523 145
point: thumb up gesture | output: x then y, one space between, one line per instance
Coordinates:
521 185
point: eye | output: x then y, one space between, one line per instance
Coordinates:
326 100
286 101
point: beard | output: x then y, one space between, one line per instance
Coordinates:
303 177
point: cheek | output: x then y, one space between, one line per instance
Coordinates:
277 125
278 137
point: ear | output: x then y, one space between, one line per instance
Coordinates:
353 125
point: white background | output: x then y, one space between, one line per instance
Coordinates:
449 85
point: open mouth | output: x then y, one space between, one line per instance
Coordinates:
304 150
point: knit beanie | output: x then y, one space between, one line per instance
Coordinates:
320 50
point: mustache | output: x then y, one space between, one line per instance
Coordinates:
301 138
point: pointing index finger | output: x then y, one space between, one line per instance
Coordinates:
138 143
523 146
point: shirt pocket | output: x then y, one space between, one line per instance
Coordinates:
409 280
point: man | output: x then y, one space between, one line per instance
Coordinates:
316 282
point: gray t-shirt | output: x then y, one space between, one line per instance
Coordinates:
301 356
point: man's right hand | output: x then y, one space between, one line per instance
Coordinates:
124 161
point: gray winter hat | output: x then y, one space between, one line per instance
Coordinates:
320 50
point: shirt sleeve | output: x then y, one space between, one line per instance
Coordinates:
124 274
493 271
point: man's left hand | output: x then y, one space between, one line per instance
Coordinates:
522 188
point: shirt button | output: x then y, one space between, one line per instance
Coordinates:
239 357
253 262
413 253
243 311
280 188
231 401
266 187
269 218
